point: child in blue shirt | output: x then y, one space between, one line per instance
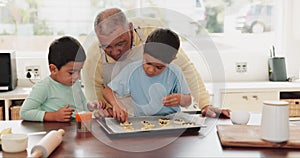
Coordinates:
156 86
58 96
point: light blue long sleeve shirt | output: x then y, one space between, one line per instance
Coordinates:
147 92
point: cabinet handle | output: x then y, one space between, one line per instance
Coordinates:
255 97
245 97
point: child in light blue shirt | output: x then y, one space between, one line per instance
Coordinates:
156 86
58 96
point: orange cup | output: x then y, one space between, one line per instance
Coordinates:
83 121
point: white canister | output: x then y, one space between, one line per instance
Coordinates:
275 121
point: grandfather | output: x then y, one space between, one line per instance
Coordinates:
118 45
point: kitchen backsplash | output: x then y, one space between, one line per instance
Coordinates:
256 67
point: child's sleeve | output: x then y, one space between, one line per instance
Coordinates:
31 108
182 86
120 84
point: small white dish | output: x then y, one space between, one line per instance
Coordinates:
239 117
14 142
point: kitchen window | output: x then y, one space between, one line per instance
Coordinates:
32 25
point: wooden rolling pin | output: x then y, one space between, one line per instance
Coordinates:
48 143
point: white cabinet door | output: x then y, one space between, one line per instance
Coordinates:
247 101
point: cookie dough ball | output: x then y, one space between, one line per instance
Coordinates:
163 121
179 121
125 124
189 124
147 125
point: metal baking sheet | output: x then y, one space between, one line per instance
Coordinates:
112 126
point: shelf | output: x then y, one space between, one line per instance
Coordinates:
12 98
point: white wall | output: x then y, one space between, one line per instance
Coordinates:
29 60
257 67
256 62
291 42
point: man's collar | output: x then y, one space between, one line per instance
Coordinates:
109 59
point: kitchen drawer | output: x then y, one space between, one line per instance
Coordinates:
247 101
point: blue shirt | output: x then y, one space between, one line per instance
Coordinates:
147 92
49 95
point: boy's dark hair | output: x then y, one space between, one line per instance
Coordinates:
162 44
64 50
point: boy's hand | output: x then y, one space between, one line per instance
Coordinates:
172 100
96 105
120 113
64 114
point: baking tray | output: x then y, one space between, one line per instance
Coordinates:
113 127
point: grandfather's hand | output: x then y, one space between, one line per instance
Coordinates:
95 105
211 111
100 109
107 112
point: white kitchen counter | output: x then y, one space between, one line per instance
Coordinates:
263 85
18 93
238 94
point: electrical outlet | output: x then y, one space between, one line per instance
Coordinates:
34 72
241 67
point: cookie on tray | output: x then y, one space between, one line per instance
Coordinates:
179 121
189 124
128 128
145 122
147 125
125 124
163 121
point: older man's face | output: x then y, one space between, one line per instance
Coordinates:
116 43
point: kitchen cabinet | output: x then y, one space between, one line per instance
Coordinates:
10 99
249 96
247 101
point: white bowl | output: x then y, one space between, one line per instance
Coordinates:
239 117
14 142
